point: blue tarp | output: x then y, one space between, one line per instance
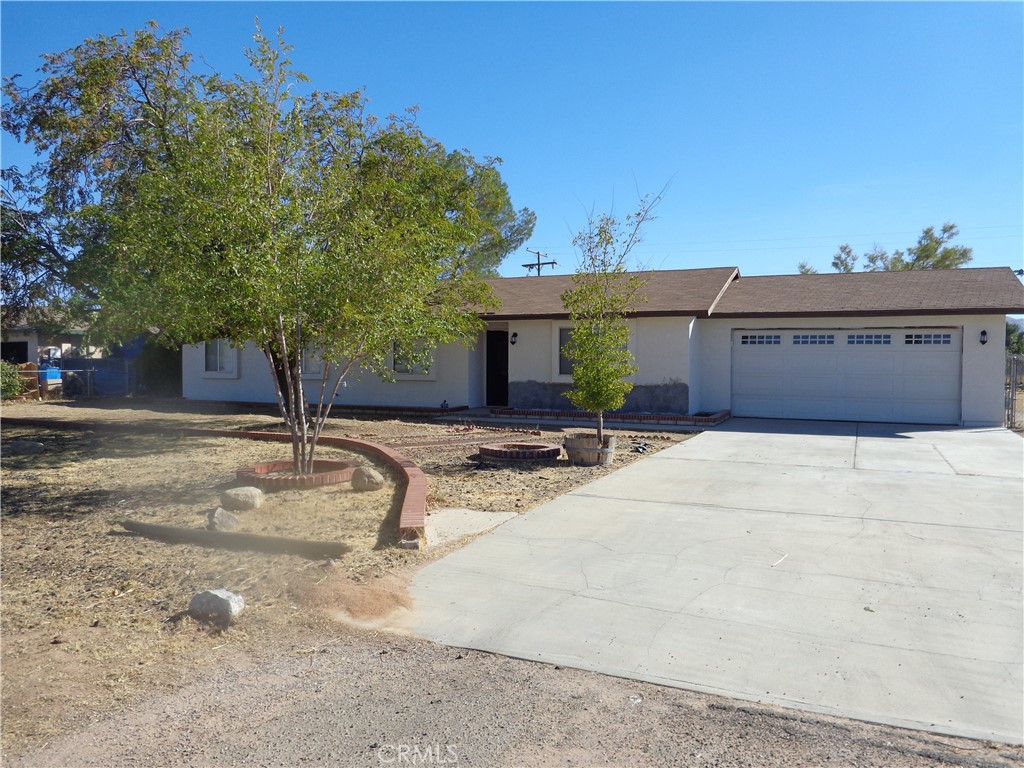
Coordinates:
102 377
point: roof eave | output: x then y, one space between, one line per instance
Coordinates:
877 312
565 315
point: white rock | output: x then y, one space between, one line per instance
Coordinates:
216 605
367 479
222 520
246 497
25 447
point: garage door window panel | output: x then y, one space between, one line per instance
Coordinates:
760 339
869 339
928 339
814 339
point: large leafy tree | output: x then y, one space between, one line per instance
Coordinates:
933 250
96 120
1014 338
603 295
238 209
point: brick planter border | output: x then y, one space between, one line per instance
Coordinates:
412 518
325 472
521 451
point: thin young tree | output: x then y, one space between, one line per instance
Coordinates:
603 295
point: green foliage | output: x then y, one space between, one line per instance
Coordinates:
235 208
1014 339
932 251
507 228
602 296
96 120
845 260
10 380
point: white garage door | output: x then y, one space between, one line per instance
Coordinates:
907 375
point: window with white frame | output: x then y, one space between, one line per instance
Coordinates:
220 359
404 365
312 363
564 363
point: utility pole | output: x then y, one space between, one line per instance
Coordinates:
539 263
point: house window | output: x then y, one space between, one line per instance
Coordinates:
814 338
564 363
760 339
221 359
312 363
404 365
869 338
928 338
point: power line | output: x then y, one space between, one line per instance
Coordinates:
538 263
837 238
684 249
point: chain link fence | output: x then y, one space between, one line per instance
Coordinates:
1015 391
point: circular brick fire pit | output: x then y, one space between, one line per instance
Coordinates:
520 451
276 475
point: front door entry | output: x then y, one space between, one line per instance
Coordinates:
497 368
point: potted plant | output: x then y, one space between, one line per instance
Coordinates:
603 295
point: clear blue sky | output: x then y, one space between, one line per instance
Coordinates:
784 129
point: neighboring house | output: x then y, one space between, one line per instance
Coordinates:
918 347
30 344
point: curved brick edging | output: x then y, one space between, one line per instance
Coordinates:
412 519
325 472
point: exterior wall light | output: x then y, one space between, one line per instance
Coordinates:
515 337
984 337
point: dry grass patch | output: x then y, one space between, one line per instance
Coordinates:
92 616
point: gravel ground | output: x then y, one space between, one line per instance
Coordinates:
370 699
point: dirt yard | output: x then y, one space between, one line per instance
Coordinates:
93 626
93 616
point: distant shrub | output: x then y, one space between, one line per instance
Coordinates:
10 380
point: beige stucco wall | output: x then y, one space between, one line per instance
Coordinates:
659 344
449 379
982 366
661 347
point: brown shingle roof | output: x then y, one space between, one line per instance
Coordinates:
990 290
671 292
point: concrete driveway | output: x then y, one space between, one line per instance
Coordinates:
864 570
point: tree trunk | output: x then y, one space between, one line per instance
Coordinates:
600 429
290 396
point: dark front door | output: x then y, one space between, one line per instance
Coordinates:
497 368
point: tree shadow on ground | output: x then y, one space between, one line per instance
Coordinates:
388 534
64 447
53 504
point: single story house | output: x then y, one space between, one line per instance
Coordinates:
916 347
31 343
